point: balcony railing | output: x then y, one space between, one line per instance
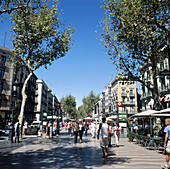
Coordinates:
123 94
131 94
128 102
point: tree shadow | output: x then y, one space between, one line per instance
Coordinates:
62 153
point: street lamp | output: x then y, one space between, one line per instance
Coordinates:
14 89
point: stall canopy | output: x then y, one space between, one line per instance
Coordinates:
88 119
161 115
112 117
151 113
144 113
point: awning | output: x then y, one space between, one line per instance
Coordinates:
150 113
53 117
161 115
144 114
165 110
112 117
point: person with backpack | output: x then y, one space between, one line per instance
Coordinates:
104 128
167 142
117 130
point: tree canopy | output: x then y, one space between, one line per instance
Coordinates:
135 34
88 103
69 106
39 36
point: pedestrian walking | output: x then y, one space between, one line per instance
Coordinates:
97 127
47 134
76 130
25 127
55 128
117 130
69 128
104 136
93 130
86 128
110 134
167 143
81 130
16 129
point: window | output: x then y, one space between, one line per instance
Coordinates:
2 70
131 99
3 59
123 99
123 90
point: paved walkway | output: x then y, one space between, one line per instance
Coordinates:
61 152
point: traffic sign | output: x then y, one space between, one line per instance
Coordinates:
119 104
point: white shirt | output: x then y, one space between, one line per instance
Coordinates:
104 130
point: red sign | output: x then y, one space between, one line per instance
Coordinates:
58 105
119 104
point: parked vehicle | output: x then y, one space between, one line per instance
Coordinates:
5 131
36 124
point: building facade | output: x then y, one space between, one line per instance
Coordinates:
6 80
118 91
163 83
11 82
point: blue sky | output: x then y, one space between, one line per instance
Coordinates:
85 67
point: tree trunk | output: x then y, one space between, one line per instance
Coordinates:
155 92
24 97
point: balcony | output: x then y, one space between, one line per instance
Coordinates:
36 101
128 102
123 94
132 94
36 93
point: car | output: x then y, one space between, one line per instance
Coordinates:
36 124
5 132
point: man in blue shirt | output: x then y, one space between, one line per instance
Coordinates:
167 142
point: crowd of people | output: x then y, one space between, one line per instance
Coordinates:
104 130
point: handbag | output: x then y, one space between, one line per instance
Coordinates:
117 131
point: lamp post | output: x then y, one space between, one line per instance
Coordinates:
58 107
14 89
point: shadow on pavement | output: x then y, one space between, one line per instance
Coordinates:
61 154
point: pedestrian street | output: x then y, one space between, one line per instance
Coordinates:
61 152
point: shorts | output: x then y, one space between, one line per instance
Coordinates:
104 142
168 147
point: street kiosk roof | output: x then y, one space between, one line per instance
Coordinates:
151 113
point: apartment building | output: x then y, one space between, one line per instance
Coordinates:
20 76
118 91
41 99
125 92
163 83
11 82
45 101
6 80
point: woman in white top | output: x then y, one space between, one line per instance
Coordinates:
117 130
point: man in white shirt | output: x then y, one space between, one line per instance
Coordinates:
17 128
104 136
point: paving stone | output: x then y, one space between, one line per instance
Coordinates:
57 153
